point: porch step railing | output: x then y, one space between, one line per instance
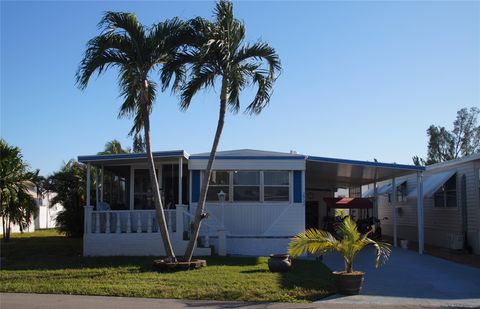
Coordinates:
130 221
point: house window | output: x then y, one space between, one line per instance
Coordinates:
276 186
401 193
219 181
143 193
446 196
116 184
246 186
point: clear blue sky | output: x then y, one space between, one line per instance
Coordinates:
361 80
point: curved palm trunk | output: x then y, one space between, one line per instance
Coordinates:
162 223
208 172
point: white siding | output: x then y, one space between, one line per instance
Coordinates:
439 222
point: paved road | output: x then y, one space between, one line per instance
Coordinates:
53 301
409 278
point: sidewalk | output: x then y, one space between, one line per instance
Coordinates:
54 301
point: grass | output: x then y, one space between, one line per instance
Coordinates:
46 262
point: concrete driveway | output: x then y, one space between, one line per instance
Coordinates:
410 278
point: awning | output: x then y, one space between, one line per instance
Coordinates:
385 189
432 183
348 203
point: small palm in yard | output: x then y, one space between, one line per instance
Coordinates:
350 243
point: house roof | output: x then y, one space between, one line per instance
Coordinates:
248 154
125 158
473 157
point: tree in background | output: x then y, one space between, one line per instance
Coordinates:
463 140
138 144
70 185
113 147
17 204
218 53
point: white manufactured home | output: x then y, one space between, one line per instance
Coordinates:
451 197
257 200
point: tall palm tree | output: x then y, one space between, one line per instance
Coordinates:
137 51
113 147
218 53
17 205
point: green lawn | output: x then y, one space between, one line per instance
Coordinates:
45 262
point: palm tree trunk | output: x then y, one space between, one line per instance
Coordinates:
208 172
162 223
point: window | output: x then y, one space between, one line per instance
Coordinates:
276 186
116 189
446 196
401 193
143 193
246 186
219 181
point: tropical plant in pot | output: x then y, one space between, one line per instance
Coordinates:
350 241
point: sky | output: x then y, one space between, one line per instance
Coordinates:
360 80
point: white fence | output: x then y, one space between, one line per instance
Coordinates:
130 221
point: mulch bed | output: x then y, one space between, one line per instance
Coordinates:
163 265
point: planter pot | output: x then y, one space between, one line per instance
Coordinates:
404 244
279 263
349 283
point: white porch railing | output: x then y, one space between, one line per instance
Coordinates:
131 221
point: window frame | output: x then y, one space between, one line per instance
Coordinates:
261 185
288 186
444 194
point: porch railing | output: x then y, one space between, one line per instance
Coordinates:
131 221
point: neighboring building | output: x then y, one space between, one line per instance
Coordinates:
47 214
451 193
266 198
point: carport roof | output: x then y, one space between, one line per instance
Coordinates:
333 172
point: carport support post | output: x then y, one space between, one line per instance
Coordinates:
375 199
89 167
393 202
420 212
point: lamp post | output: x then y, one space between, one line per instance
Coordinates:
221 199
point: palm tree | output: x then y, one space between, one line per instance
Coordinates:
218 52
137 52
17 204
350 243
113 147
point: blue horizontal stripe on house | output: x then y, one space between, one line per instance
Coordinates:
126 156
366 163
248 158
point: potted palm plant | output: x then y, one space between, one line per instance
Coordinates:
348 244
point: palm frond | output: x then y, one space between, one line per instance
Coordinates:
313 241
260 51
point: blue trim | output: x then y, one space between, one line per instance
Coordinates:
367 163
297 186
249 158
127 156
195 186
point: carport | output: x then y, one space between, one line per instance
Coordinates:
329 174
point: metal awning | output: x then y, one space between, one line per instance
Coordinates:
432 183
330 172
385 189
126 158
348 203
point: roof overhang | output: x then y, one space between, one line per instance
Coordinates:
342 173
128 158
